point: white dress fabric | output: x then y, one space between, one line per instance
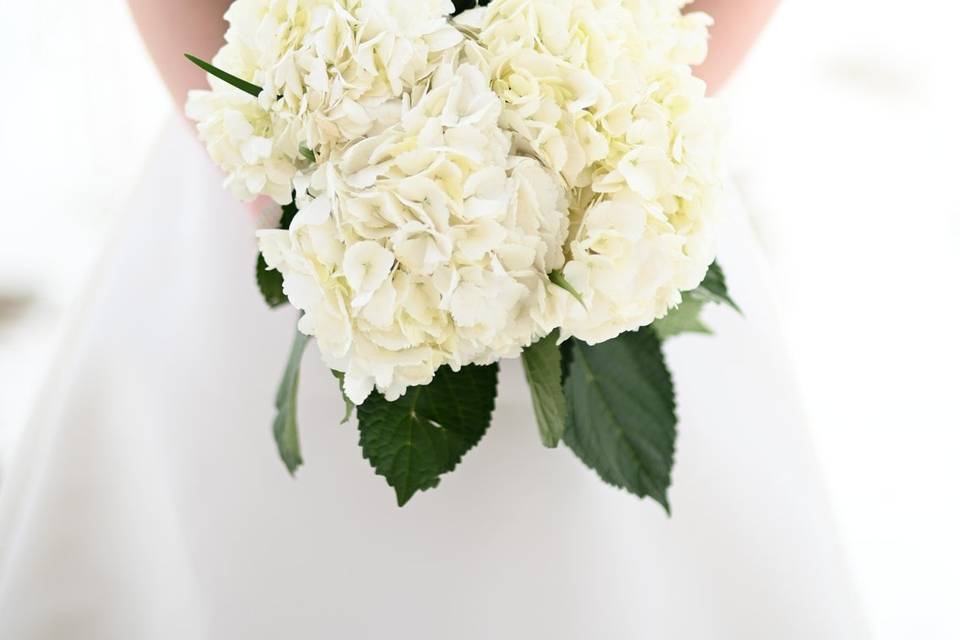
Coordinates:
147 500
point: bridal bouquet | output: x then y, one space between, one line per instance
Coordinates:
531 179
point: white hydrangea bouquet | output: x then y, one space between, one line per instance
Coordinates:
530 178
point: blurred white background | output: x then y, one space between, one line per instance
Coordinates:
845 138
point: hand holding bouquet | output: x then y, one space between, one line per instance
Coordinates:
531 178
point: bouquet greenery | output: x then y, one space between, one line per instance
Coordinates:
529 178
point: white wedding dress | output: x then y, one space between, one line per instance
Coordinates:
147 499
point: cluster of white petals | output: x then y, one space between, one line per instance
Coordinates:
426 244
602 92
331 71
444 169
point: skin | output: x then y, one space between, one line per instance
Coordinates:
737 25
171 28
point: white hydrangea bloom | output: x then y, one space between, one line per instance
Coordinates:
331 71
602 92
443 172
242 139
425 244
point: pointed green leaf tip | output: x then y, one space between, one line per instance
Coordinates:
415 439
308 153
684 318
230 79
621 419
714 288
285 430
556 277
541 364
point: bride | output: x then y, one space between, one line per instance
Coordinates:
147 500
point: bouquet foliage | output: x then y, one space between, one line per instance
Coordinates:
531 179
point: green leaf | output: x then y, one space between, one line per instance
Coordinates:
621 417
308 153
270 282
541 364
714 288
415 439
684 318
566 356
556 277
288 211
347 402
230 79
285 424
459 6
